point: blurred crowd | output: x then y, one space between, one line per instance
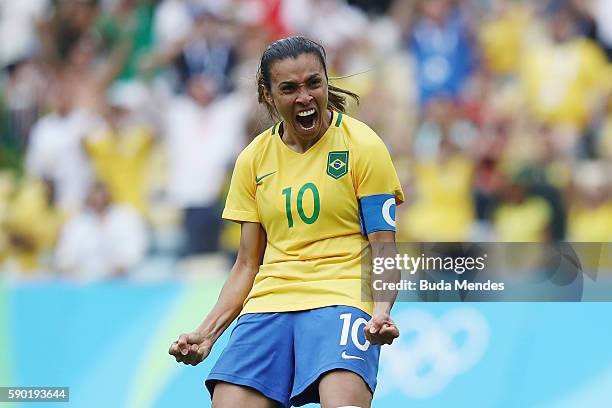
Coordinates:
120 121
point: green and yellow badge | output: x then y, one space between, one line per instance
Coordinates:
337 164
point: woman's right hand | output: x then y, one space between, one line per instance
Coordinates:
191 348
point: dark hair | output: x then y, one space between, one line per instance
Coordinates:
292 47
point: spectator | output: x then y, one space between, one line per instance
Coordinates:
521 216
442 209
55 153
128 25
17 31
202 136
442 49
563 75
63 27
105 240
83 78
590 214
210 51
503 35
206 47
33 223
119 152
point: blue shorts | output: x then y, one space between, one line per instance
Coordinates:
283 355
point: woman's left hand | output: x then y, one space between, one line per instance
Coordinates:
381 329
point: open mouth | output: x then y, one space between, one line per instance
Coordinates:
307 119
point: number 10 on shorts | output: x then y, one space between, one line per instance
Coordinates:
356 327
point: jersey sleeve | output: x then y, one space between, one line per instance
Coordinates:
374 171
240 204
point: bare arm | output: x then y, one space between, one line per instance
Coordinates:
239 282
383 246
192 348
381 329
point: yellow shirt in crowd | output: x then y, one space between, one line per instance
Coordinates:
502 39
443 209
590 224
523 222
120 161
561 81
32 220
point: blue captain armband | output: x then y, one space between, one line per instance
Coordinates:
377 213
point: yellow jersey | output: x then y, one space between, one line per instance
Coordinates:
523 222
590 224
562 82
502 38
120 161
308 205
443 209
29 215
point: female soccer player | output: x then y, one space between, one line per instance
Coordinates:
309 192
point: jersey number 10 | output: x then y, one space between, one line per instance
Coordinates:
300 208
355 328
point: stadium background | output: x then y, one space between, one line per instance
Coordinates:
119 124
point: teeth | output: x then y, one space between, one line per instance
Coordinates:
306 113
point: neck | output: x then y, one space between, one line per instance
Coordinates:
300 145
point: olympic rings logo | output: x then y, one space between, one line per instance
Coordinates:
431 352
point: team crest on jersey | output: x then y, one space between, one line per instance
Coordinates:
337 164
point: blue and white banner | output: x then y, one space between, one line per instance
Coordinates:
109 344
